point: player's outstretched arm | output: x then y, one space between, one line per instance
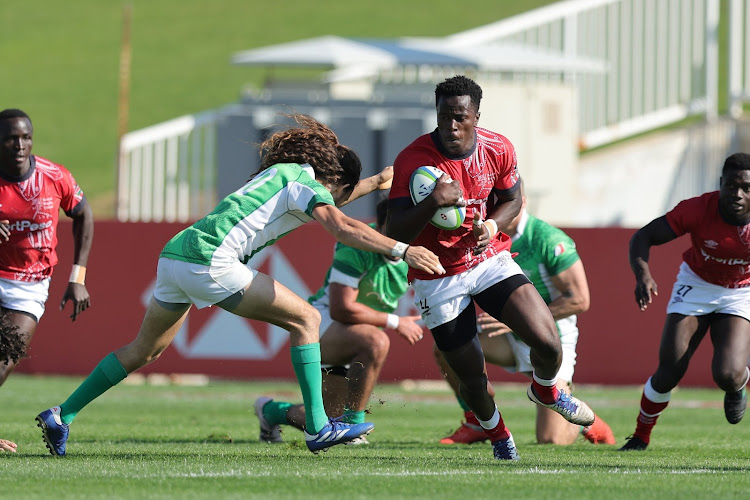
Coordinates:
83 235
379 181
574 295
354 233
656 232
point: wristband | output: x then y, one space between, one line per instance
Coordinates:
77 274
491 226
399 250
392 322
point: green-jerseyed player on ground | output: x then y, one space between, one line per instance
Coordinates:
358 298
305 174
549 259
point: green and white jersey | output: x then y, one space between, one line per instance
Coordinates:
380 281
273 203
544 251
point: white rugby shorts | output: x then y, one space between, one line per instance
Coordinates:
568 338
441 300
25 296
693 296
179 282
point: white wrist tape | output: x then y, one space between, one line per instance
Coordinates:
392 322
491 226
77 274
399 249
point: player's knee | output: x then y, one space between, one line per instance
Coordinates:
308 323
728 379
375 345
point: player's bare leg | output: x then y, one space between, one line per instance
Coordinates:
26 323
731 339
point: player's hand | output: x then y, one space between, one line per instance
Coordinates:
644 287
80 297
409 329
6 445
385 178
447 193
4 230
423 259
481 233
490 326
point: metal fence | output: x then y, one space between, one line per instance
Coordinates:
167 172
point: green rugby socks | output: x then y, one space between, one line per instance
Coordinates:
306 363
108 373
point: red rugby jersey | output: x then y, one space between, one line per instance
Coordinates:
490 165
32 205
720 252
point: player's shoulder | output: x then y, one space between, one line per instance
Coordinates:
545 233
489 137
698 204
46 165
422 145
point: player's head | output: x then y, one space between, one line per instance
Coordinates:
16 138
457 102
734 188
336 166
12 343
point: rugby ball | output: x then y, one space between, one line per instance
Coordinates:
421 185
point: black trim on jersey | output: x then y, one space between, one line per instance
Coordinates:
505 192
29 172
77 209
435 136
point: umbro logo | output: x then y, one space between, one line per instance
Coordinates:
710 243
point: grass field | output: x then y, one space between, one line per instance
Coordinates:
201 442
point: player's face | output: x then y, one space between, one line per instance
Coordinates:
456 118
340 193
15 143
734 195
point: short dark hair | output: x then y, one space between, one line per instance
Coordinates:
9 113
459 85
737 161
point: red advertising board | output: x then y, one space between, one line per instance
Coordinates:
618 343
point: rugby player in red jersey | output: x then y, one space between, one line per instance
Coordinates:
481 174
712 292
32 192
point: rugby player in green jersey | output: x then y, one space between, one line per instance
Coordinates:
549 259
357 300
305 174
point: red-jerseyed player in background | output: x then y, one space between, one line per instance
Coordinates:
481 174
32 192
712 291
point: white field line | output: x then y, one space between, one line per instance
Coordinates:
512 469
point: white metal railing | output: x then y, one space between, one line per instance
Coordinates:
166 172
739 56
662 56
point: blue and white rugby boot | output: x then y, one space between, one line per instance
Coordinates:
54 431
505 449
336 432
571 408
